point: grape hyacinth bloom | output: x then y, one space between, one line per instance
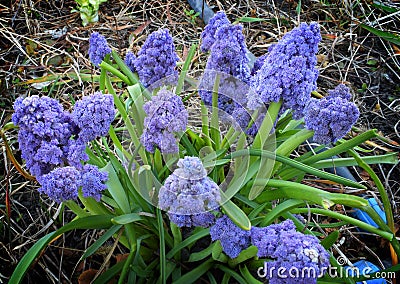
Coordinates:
341 91
228 60
98 48
290 250
157 60
76 153
208 35
258 64
45 129
289 71
130 60
266 239
233 239
93 181
188 195
47 139
61 184
331 117
166 115
93 115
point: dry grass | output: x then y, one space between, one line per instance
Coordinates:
347 54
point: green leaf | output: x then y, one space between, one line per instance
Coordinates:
160 224
99 242
110 273
390 158
237 215
185 68
90 222
115 72
279 209
215 131
294 190
193 238
298 8
217 253
391 37
330 240
247 275
383 7
116 189
195 273
126 219
244 255
196 256
133 78
232 274
251 20
295 164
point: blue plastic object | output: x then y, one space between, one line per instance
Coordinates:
363 268
362 216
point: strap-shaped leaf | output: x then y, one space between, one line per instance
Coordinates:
237 215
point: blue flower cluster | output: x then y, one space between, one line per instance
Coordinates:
166 115
98 48
228 60
45 129
208 35
258 64
130 60
289 249
188 195
341 91
266 239
289 71
93 181
331 117
61 183
93 115
156 60
233 239
53 142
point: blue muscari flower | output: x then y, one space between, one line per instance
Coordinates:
166 115
258 64
267 239
331 117
233 239
228 60
98 48
48 139
188 195
289 71
76 153
341 91
157 60
45 129
61 184
93 115
93 181
204 220
130 60
291 250
208 35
